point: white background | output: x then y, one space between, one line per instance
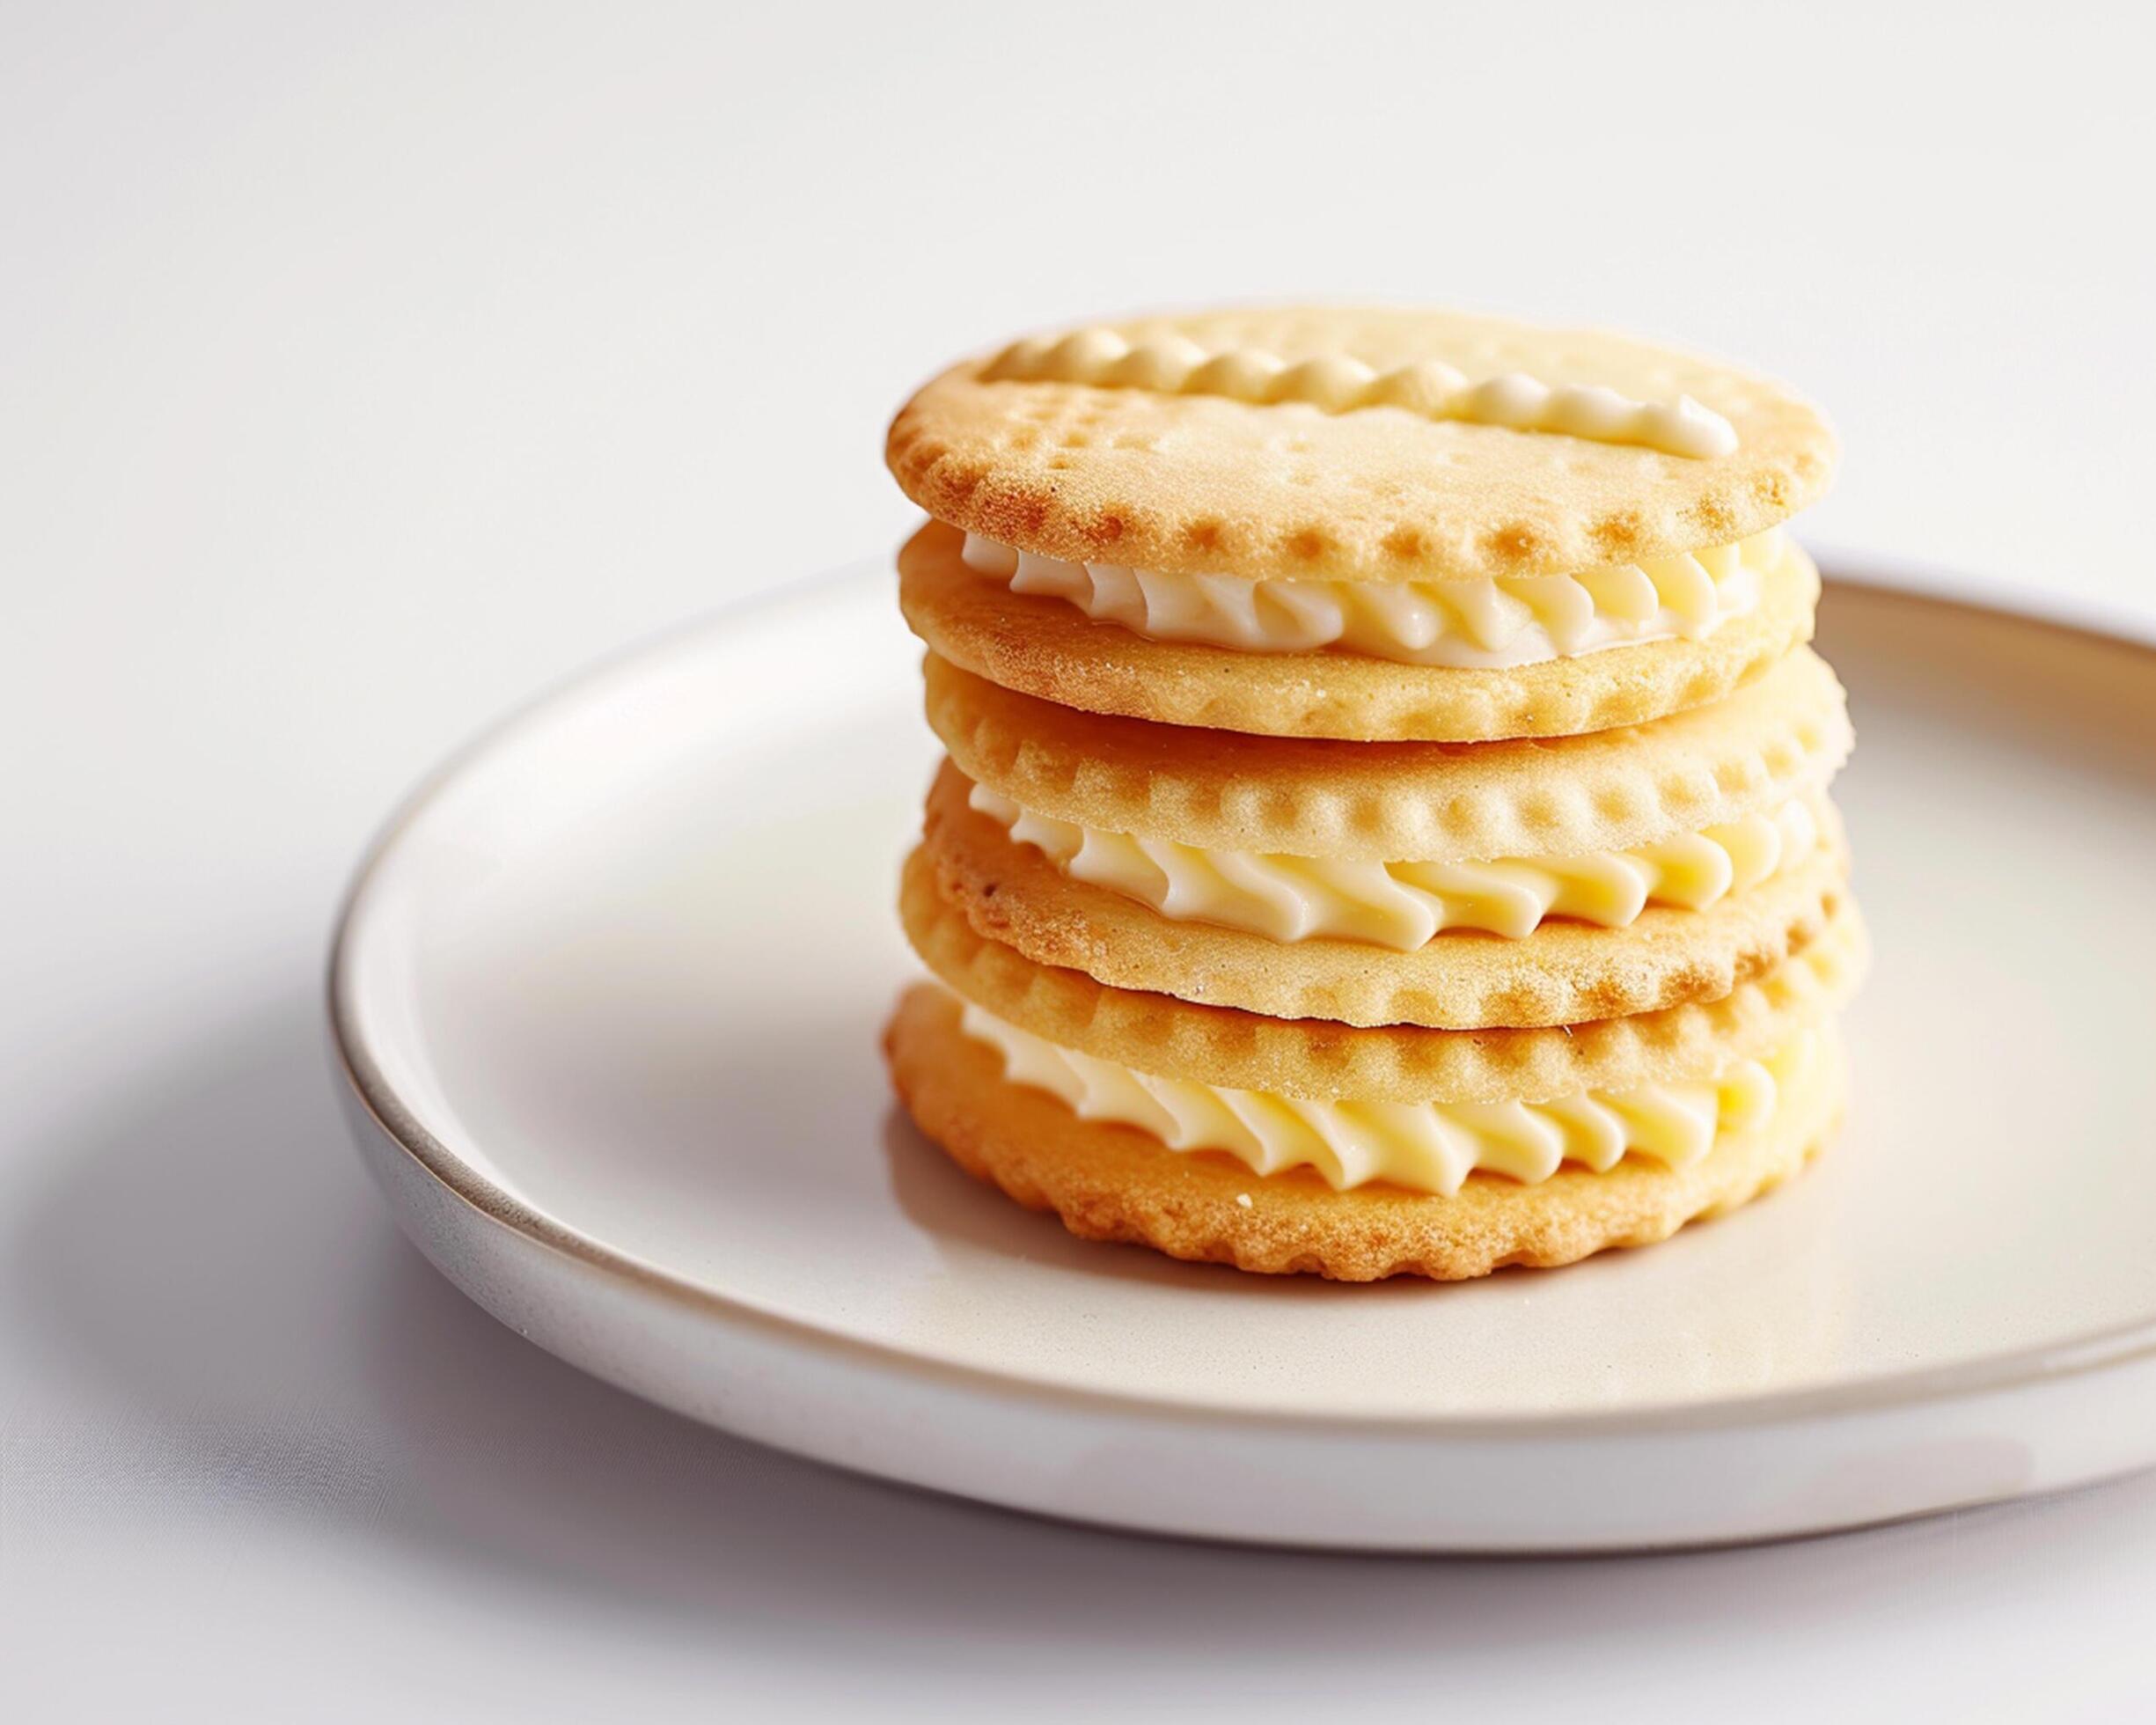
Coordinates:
362 367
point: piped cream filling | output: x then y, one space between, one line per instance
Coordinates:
1424 1145
1406 905
1476 624
1174 365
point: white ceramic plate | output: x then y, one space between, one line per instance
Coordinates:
609 993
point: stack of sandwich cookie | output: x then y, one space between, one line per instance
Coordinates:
1385 826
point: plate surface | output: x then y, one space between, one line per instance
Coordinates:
609 993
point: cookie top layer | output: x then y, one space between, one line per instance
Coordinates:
1360 444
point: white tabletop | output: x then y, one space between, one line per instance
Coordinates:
361 371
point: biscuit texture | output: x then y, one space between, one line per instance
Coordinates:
1041 646
1141 472
1392 802
1109 1182
1562 973
1314 1057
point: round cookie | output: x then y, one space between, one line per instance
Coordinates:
1312 1057
1562 973
1356 443
1038 645
1612 789
1109 1182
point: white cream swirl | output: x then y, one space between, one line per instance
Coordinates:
1504 621
1405 905
1424 1145
1337 383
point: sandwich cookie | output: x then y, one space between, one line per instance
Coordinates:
1514 884
1358 523
1298 1146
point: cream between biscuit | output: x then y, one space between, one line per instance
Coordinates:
1173 363
1496 623
1405 905
1430 1146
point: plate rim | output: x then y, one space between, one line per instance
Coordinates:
2104 1349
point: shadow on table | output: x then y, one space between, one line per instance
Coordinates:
214 1262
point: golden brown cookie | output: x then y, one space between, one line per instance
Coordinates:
1041 646
1563 973
1316 1057
1608 790
1356 443
1116 1182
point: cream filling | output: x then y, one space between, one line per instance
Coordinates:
1500 621
1175 365
1424 1145
1405 905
